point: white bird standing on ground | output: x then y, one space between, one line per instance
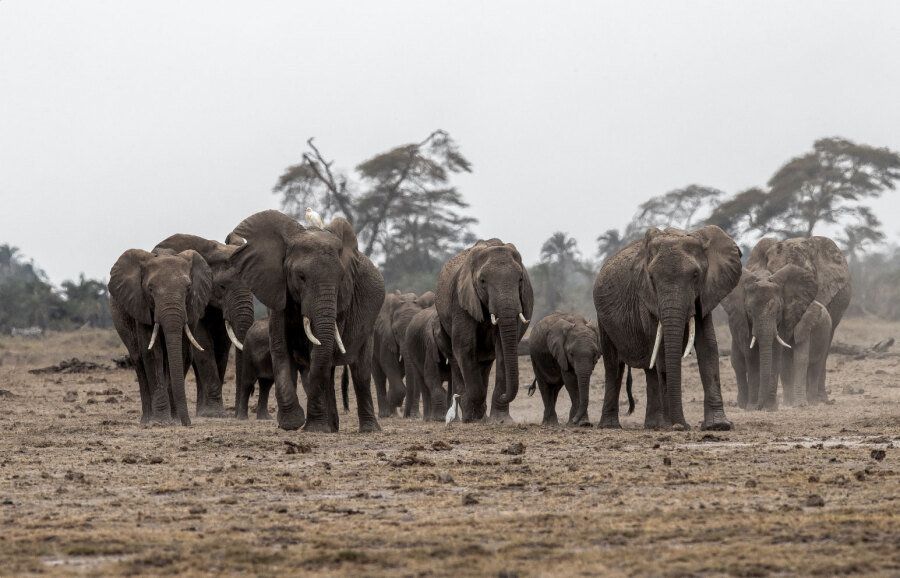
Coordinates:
314 219
453 412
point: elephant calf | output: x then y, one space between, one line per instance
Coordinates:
812 341
257 366
564 349
428 356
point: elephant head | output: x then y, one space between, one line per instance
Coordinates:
575 344
304 272
492 283
774 303
229 292
818 255
684 277
168 291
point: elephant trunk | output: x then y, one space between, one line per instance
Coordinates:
583 375
173 332
324 313
673 324
509 341
240 316
765 339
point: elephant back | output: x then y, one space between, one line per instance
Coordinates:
819 255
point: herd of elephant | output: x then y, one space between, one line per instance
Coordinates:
187 302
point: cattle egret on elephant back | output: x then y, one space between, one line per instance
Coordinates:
453 412
314 219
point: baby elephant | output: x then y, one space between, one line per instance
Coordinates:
428 356
812 340
564 350
257 366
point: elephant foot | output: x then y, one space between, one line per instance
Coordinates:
581 423
657 421
680 426
319 426
610 422
717 424
263 415
369 425
212 410
552 420
162 419
145 418
383 413
290 420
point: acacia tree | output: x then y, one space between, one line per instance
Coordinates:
401 202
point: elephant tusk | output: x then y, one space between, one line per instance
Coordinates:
307 328
692 332
752 342
493 319
781 341
522 319
153 336
233 337
190 336
338 340
656 345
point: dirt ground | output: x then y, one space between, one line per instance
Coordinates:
86 489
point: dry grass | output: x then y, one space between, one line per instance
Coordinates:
86 489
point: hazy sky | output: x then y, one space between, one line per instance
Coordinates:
124 122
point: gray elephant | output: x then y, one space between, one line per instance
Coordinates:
323 296
388 368
155 300
564 349
484 300
654 302
780 297
257 367
428 357
225 322
812 341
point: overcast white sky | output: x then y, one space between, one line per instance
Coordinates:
124 122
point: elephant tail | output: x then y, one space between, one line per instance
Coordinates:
628 382
345 387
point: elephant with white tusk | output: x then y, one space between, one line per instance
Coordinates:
156 300
224 323
654 302
484 300
323 296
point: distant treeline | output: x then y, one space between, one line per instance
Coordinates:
28 299
410 219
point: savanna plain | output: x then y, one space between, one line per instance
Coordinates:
801 491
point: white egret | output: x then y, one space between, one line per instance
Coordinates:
453 412
314 219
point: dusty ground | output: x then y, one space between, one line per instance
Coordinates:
86 489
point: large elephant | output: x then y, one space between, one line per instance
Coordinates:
654 301
564 350
428 355
484 301
155 299
790 277
323 296
226 320
388 369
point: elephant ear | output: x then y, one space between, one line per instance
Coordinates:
556 342
798 290
260 260
723 271
434 338
465 289
758 255
383 321
733 304
832 271
201 285
349 256
125 284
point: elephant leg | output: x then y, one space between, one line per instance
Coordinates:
739 363
262 403
481 405
320 400
209 386
470 382
161 405
290 413
246 384
331 401
787 377
817 381
145 388
361 372
431 386
396 391
413 389
655 417
381 389
546 386
753 379
708 362
612 383
800 377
